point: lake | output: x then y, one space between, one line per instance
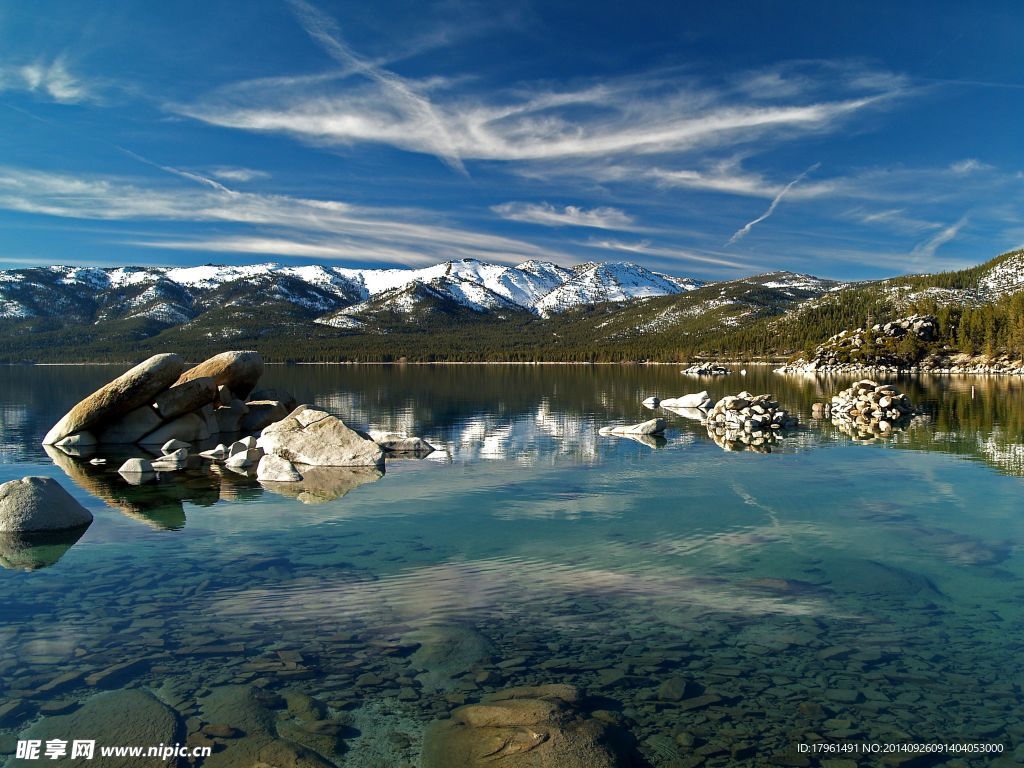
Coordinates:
718 607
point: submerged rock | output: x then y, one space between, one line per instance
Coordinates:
445 652
132 389
523 728
39 505
123 717
310 436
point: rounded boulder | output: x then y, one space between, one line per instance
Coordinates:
39 505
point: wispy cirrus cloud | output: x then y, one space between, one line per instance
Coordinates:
632 115
270 223
669 256
397 91
745 229
237 175
549 215
926 251
48 78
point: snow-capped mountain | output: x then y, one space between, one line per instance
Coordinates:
177 295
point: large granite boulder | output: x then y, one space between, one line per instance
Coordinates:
186 397
189 428
229 417
130 390
238 370
39 505
263 413
123 717
131 427
539 727
309 436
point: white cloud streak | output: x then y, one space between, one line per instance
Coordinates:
648 114
237 175
51 78
548 215
397 91
745 229
277 224
667 255
926 251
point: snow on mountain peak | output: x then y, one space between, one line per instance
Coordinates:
535 286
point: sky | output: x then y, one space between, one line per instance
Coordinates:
851 140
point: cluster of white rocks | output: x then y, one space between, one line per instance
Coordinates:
747 422
867 409
848 351
706 369
162 407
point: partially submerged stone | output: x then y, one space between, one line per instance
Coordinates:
650 427
277 469
39 505
314 437
394 442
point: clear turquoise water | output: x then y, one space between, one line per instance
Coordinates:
828 590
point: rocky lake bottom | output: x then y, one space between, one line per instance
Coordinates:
715 607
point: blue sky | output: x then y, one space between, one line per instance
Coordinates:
845 139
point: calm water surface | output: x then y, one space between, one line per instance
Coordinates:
829 590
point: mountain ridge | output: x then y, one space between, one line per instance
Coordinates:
470 310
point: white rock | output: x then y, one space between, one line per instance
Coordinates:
310 436
39 505
172 446
650 427
276 469
696 400
136 467
244 458
399 443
